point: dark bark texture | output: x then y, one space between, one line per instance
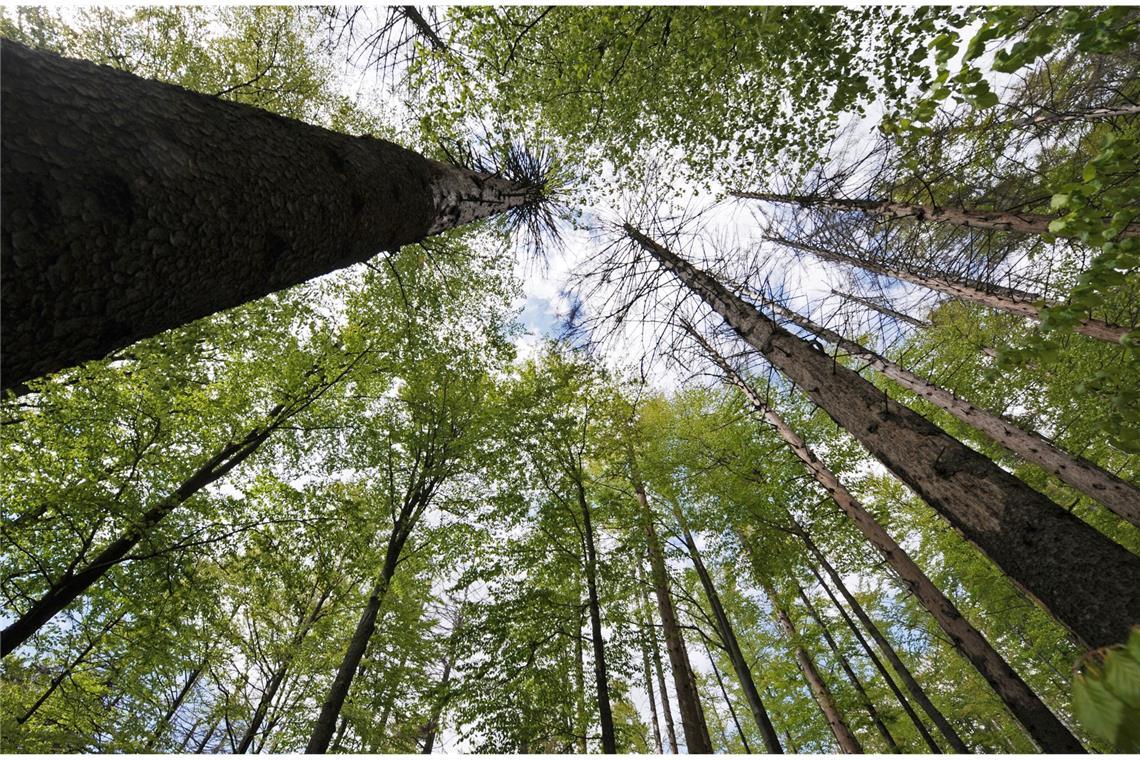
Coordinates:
131 206
1084 579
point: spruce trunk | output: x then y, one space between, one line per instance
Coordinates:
1085 580
131 206
1116 494
882 309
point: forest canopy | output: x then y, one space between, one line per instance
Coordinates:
570 379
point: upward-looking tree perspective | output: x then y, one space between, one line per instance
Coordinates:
570 379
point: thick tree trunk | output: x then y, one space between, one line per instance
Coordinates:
1085 580
1116 494
882 309
1010 300
1045 729
848 744
731 645
1002 221
67 588
304 625
912 685
651 631
868 705
688 702
131 206
326 722
605 713
164 723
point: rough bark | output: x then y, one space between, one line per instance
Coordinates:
1012 300
67 588
731 644
868 705
1117 495
1085 580
651 631
1003 221
882 309
131 206
912 684
688 701
605 712
1042 726
326 722
848 744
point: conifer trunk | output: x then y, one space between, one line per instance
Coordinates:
605 712
1011 300
1116 494
697 739
731 644
886 674
882 309
1003 221
848 744
868 705
1085 580
1042 726
131 206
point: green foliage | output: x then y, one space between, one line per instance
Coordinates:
1106 695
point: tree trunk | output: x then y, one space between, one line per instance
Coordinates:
868 705
133 206
209 734
304 625
731 645
338 692
64 590
1116 494
651 631
443 696
848 744
688 702
580 701
1003 221
648 676
160 729
1010 300
1085 580
1049 733
882 309
728 701
911 683
605 713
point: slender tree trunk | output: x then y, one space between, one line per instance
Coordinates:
580 702
1116 494
728 701
188 736
868 705
442 699
882 309
163 724
648 676
912 684
209 735
1012 300
732 646
1002 221
688 702
657 667
131 206
704 725
64 590
67 671
326 722
1086 114
304 625
605 713
1050 734
1085 580
848 744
